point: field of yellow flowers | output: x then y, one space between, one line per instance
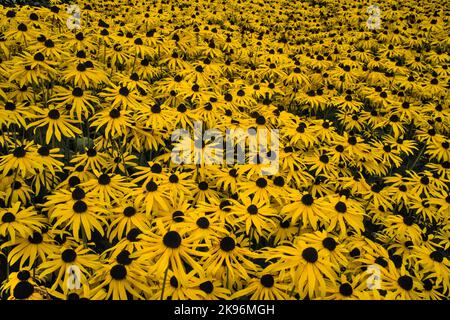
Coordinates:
93 205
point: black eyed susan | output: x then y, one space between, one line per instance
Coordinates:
32 249
361 183
305 267
254 216
120 282
400 285
307 208
19 222
264 287
229 259
58 125
81 215
344 213
61 263
175 287
166 249
125 217
21 160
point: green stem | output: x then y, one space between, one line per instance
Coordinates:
12 189
292 291
164 282
418 157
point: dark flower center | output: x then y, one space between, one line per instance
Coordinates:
173 178
133 234
23 290
35 238
172 239
408 220
278 181
124 91
124 258
355 253
233 173
424 180
39 57
22 27
156 108
23 275
181 108
261 182
44 151
10 106
437 256
68 255
352 140
227 244
104 179
203 223
203 185
252 209
405 282
114 113
285 224
49 43
260 120
16 185
78 193
341 207
118 272
329 243
310 255
228 97
174 282
267 280
207 287
8 217
129 211
307 199
77 92
427 285
79 36
151 186
178 216
19 152
346 289
73 296
80 206
91 152
324 159
156 168
224 206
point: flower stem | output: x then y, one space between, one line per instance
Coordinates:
164 282
418 157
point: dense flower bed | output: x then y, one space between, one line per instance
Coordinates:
93 206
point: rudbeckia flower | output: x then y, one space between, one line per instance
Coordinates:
352 179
